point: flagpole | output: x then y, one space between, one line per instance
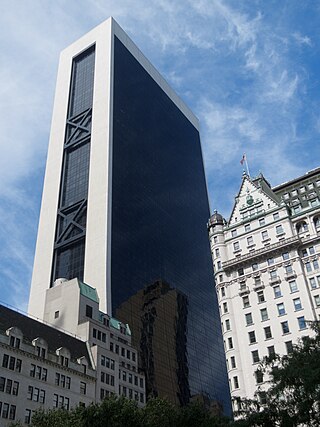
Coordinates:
247 167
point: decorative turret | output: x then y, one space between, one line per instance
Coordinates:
216 219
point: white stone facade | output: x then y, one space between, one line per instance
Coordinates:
267 273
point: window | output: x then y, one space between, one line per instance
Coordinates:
83 387
225 308
304 252
217 252
89 311
260 295
302 227
297 304
249 319
288 269
267 332
316 264
230 343
11 363
60 401
220 278
233 233
255 267
14 341
240 272
270 261
317 300
285 327
308 267
264 314
235 382
36 394
273 274
311 250
252 337
218 265
294 193
255 356
277 291
276 216
249 240
289 347
245 301
271 351
279 229
228 325
259 376
281 309
285 255
293 286
264 235
27 416
262 221
215 239
247 228
233 361
236 246
302 322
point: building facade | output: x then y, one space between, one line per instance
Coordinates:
267 271
124 181
41 366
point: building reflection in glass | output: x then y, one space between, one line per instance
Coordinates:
157 316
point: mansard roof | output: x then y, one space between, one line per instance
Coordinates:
32 329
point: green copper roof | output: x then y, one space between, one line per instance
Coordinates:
114 323
88 291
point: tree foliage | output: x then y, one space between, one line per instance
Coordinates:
121 412
293 396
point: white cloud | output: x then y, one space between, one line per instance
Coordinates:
302 40
228 60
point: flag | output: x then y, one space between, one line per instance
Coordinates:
243 159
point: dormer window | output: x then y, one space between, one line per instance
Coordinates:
15 337
64 356
41 347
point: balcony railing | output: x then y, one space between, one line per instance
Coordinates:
244 291
291 241
258 285
290 275
274 280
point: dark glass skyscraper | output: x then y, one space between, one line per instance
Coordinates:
125 209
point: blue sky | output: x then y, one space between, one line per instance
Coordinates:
248 69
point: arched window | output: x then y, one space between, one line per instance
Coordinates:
316 221
302 227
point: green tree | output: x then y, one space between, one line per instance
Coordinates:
293 397
121 412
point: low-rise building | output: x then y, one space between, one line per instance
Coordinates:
267 273
43 366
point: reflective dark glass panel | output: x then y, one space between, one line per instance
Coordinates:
68 258
76 175
70 261
82 82
161 270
